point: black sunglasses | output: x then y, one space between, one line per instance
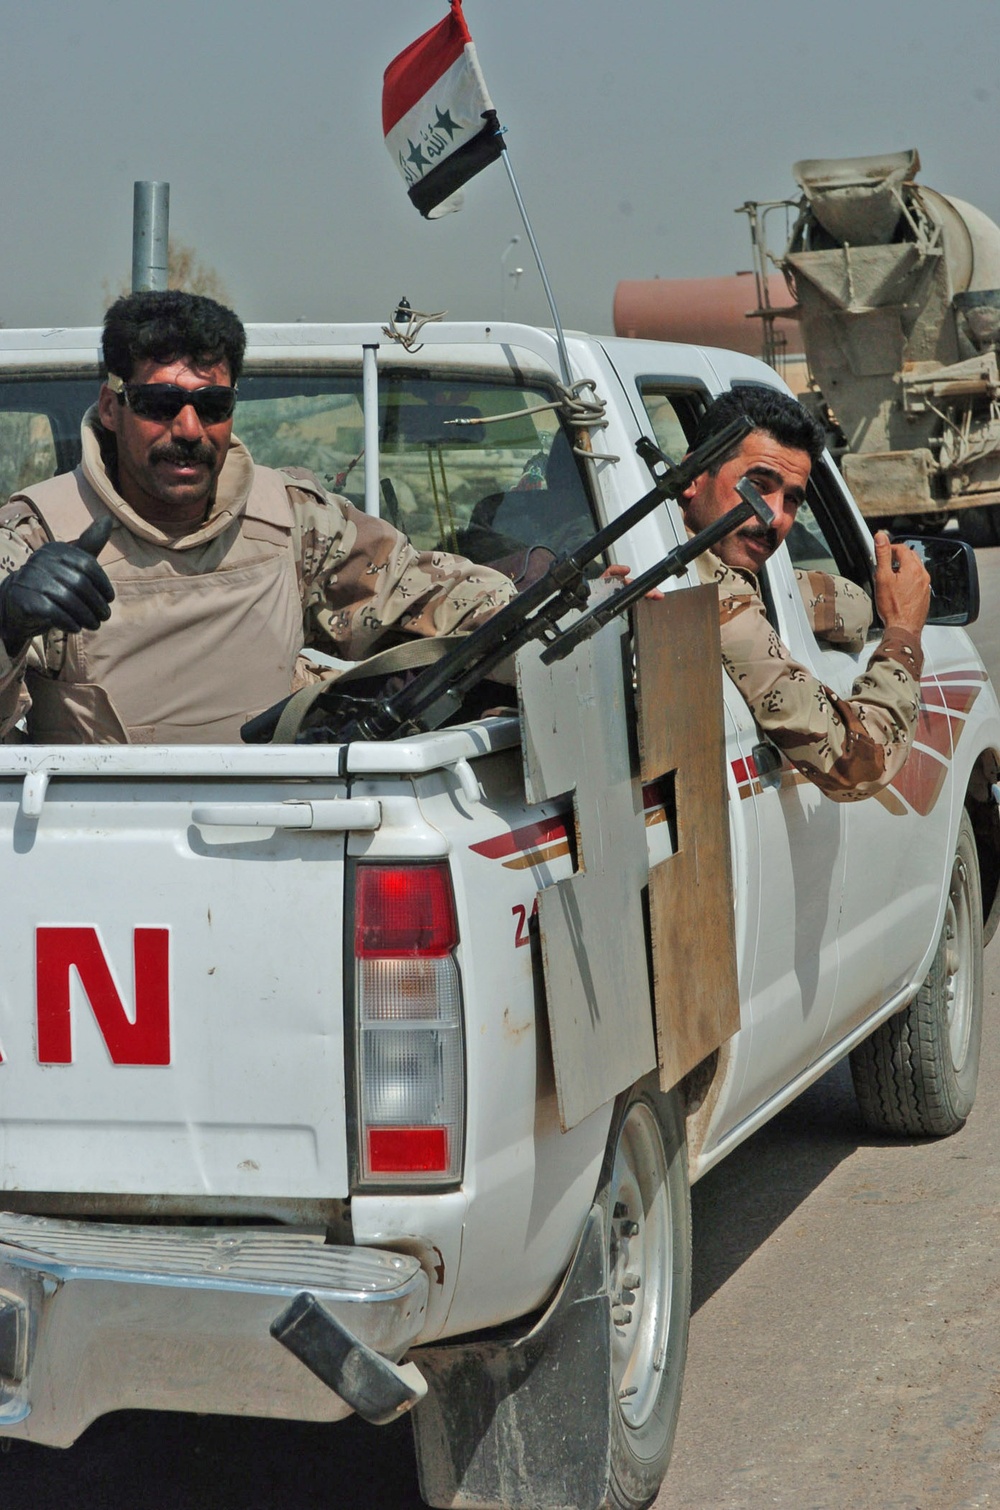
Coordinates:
164 401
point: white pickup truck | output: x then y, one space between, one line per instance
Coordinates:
276 1052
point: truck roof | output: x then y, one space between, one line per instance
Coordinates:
77 348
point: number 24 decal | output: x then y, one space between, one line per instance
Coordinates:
522 920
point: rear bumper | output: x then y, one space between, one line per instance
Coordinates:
96 1317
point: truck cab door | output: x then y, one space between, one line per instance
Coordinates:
796 858
787 844
896 839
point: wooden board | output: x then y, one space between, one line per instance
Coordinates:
681 730
576 717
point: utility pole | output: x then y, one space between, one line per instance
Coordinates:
150 235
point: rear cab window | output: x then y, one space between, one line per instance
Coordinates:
483 467
40 428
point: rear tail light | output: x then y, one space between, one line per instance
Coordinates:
411 1070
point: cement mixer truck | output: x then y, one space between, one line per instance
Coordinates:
896 288
898 291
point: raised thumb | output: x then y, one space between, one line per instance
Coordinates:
96 536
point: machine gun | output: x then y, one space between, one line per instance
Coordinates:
436 693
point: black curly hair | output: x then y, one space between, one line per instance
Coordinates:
770 410
168 326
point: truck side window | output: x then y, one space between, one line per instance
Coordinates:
824 537
672 413
826 518
807 543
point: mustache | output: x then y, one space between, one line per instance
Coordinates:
768 536
184 453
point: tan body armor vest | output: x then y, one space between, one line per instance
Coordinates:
198 640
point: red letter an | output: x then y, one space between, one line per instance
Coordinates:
147 1040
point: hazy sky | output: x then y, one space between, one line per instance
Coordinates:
635 127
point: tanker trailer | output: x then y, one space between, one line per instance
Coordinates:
898 293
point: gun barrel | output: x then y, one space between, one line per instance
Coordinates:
432 696
672 565
670 484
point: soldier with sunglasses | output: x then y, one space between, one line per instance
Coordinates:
162 592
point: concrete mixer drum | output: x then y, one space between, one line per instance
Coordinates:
897 289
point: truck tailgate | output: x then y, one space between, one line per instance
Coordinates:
171 993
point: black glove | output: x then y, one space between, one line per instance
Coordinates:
60 586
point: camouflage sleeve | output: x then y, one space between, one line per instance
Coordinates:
20 535
839 612
364 586
849 747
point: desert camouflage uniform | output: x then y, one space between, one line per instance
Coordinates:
208 622
839 611
849 747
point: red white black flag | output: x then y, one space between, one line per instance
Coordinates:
439 122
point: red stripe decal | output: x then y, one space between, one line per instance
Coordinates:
972 675
921 779
529 837
960 699
934 729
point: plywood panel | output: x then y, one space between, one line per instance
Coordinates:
681 730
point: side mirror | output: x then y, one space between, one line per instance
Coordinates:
954 577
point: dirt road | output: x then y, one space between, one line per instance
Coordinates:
844 1342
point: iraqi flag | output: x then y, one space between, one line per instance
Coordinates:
439 122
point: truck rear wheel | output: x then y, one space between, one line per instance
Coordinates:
645 1196
979 525
916 1075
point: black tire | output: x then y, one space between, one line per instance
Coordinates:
646 1198
979 526
916 1075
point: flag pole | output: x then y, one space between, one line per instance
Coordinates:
560 337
